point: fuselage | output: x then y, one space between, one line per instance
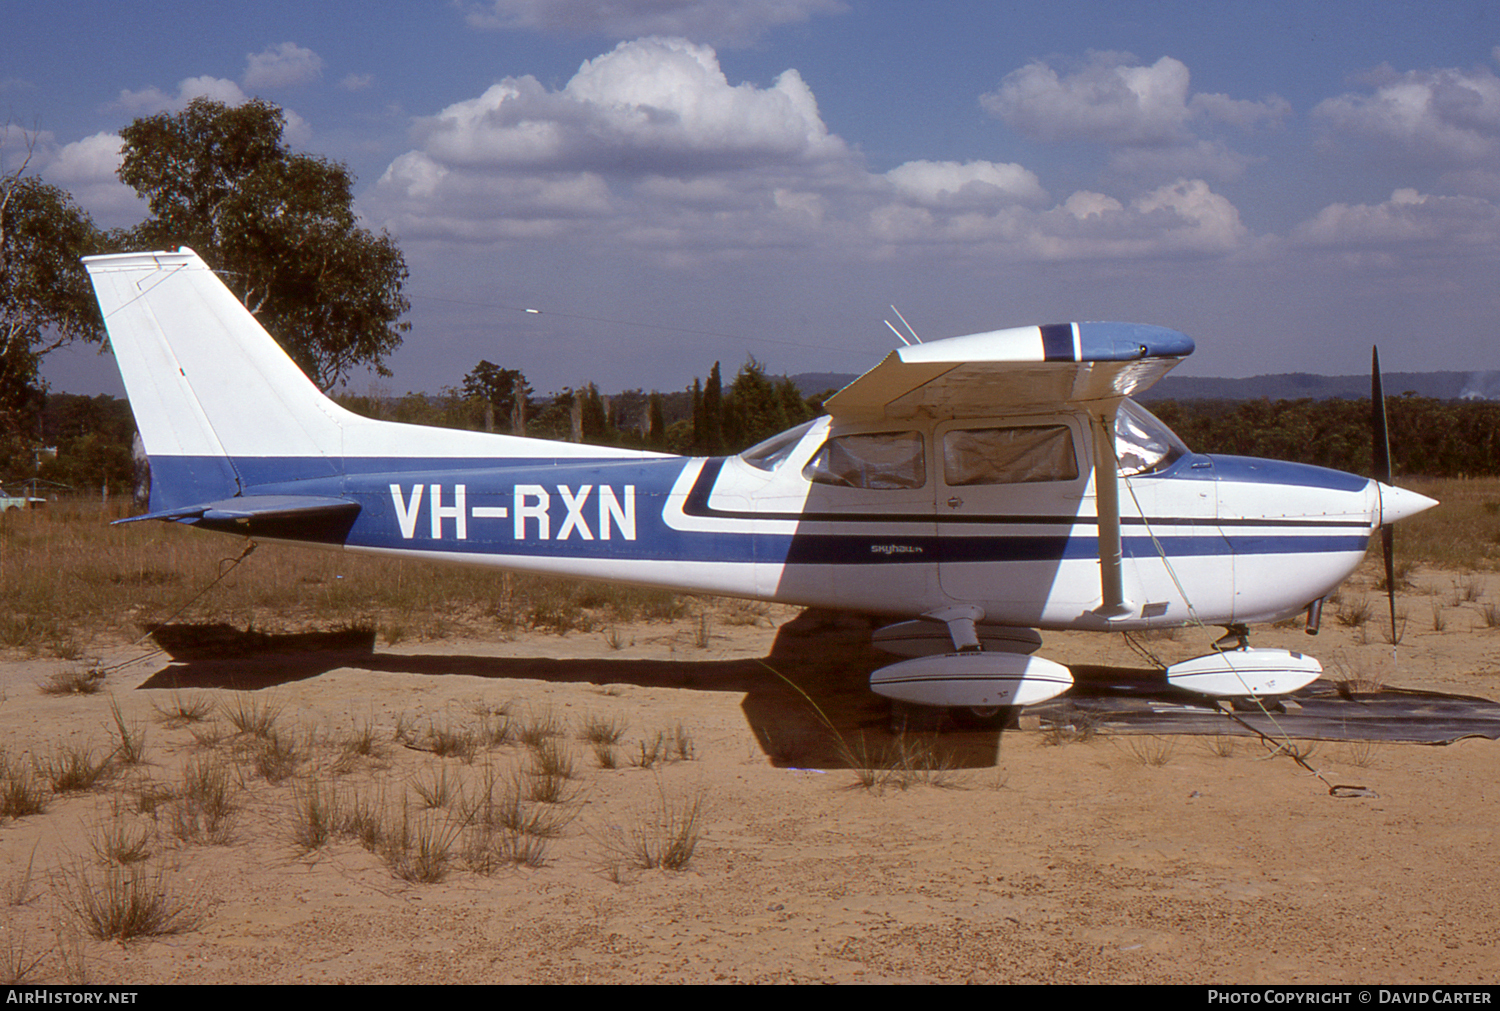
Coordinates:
895 519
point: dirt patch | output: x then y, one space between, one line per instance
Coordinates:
1029 858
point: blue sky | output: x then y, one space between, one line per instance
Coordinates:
678 181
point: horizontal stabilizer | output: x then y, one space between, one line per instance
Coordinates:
299 517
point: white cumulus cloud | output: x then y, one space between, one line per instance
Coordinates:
1447 117
282 66
1146 113
650 147
974 183
647 104
1408 218
152 100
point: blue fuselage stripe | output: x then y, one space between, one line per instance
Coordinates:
616 509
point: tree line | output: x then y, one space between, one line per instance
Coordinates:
706 419
1429 438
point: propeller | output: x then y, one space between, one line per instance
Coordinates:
1381 439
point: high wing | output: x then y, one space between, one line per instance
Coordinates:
1020 370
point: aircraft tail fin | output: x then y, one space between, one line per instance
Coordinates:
213 394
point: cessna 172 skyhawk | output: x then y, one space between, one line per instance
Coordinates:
980 488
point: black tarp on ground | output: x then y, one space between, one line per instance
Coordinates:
1127 701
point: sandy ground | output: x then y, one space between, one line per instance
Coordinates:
1030 860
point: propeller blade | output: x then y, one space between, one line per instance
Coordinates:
1378 428
1380 438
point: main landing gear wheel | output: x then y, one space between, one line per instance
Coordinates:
985 717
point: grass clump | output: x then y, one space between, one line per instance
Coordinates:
22 792
73 769
131 735
252 716
122 841
74 682
664 836
16 965
205 803
904 762
420 850
539 727
181 710
122 903
552 766
276 755
1150 750
316 815
599 730
506 830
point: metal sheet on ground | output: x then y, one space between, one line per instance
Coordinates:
1123 701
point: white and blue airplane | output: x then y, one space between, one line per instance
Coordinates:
975 489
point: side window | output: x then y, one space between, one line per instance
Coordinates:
877 460
1009 455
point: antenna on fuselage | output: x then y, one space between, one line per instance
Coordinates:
909 330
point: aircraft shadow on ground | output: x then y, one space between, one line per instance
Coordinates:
808 701
809 704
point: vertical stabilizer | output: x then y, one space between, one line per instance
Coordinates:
212 392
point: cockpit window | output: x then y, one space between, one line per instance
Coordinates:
1017 455
877 460
769 454
1143 443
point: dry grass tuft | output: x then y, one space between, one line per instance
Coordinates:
276 755
122 841
539 726
1221 746
205 804
131 736
74 682
18 890
120 903
181 710
504 829
599 730
316 816
74 769
1081 728
16 965
21 791
1149 749
252 716
664 836
1354 613
436 789
905 761
419 850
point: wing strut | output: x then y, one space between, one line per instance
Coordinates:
1107 506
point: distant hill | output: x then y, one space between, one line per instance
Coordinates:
1285 386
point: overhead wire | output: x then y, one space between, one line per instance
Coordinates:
667 328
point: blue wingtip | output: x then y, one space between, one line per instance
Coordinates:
1117 342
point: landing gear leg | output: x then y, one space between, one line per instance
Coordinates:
1235 637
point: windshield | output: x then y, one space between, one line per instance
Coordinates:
767 455
1143 443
